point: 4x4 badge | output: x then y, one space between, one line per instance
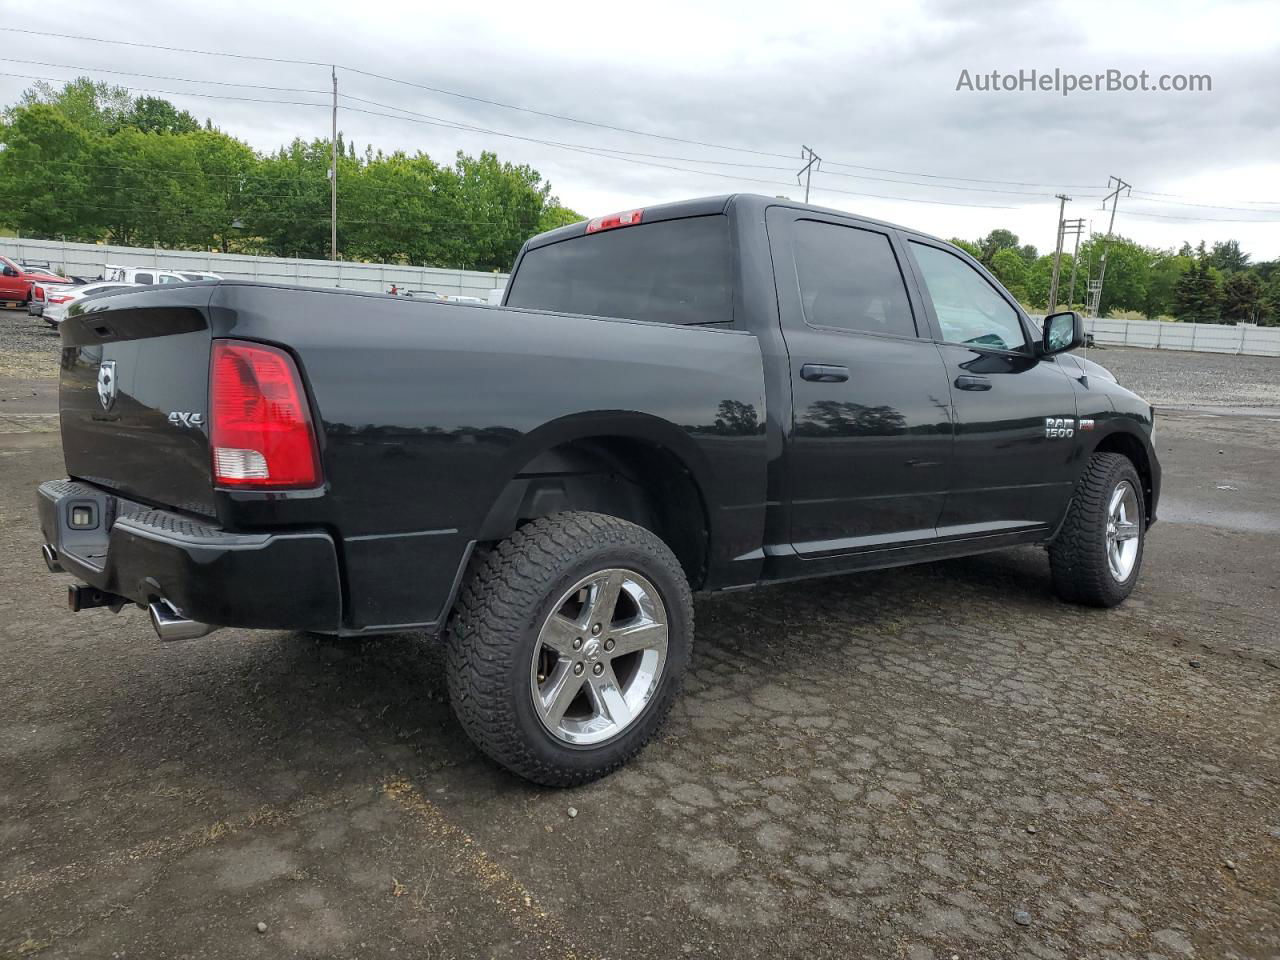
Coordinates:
1056 427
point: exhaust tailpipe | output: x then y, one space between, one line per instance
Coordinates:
169 624
51 559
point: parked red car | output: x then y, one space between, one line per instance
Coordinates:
16 282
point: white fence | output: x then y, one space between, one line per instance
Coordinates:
88 259
1201 337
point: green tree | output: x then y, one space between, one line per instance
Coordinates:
1228 257
95 108
993 243
1197 297
45 176
554 215
1011 270
1242 298
1038 278
1166 270
155 115
88 162
1128 272
972 249
1271 301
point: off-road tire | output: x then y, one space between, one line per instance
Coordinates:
494 632
1078 554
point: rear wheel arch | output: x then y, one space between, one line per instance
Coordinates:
628 474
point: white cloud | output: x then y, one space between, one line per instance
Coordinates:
864 84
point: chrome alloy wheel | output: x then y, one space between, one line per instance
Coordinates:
1124 527
599 657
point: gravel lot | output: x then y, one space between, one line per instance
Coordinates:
28 346
924 763
1184 379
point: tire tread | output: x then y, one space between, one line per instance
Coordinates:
491 619
1077 560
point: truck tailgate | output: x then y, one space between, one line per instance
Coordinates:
133 395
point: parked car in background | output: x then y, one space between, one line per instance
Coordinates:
199 275
144 275
42 292
58 299
16 281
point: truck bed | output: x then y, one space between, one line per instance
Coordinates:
425 412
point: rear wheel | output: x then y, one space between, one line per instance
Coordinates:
1096 557
568 646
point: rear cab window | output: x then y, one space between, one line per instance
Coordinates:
671 271
850 280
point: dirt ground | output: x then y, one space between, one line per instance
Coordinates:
932 762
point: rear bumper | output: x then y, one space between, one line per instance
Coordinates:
35 308
283 581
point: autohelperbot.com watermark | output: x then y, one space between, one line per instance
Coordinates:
1065 82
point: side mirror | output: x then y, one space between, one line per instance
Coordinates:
1062 332
10 272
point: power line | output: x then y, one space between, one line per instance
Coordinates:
421 86
1163 216
1148 193
158 46
940 176
600 151
194 216
590 151
159 76
604 152
179 93
529 110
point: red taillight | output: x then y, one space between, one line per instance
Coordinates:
37 292
628 218
61 299
260 424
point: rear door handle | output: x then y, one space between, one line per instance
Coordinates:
824 373
966 382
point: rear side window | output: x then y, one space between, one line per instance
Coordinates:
143 278
673 271
849 279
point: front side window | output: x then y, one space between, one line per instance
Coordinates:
969 309
671 271
849 279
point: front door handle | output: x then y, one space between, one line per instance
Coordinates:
824 373
967 382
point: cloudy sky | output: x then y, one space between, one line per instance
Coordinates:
872 90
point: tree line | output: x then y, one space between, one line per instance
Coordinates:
1217 284
90 162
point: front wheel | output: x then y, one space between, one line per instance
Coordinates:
568 646
1096 556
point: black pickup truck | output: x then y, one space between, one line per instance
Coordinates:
700 396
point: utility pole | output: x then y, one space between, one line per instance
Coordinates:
1076 227
1095 288
1057 254
333 173
807 169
